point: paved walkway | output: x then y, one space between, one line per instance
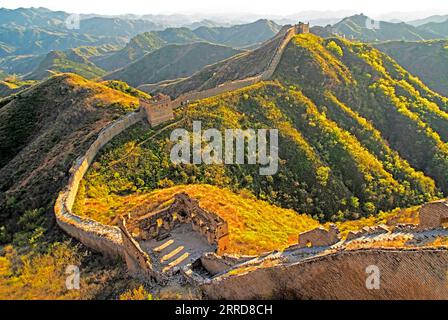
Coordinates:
182 247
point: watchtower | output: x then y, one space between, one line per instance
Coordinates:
158 110
302 28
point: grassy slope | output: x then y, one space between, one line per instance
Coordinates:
66 62
330 108
255 226
426 59
53 123
241 66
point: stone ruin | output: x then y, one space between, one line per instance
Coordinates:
158 110
319 237
184 209
138 262
433 215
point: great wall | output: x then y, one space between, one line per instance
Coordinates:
319 267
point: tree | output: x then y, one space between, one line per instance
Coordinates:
335 48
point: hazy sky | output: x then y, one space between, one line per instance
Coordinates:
272 7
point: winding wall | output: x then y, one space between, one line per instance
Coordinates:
405 274
93 234
108 239
240 84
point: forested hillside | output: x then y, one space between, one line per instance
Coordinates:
352 123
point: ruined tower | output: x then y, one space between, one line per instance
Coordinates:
158 110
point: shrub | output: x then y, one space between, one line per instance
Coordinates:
335 48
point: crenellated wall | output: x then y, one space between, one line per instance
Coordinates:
403 274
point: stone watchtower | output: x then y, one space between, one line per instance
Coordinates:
302 28
158 110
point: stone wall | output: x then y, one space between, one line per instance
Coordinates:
404 274
138 262
319 237
433 214
93 234
185 98
158 112
290 33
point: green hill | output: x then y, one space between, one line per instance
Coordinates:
42 131
171 62
426 59
438 28
134 50
353 124
357 27
243 65
71 61
10 86
240 36
51 123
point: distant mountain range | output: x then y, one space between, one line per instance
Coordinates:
35 43
362 28
436 18
171 62
426 59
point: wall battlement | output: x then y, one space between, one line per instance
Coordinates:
158 110
405 274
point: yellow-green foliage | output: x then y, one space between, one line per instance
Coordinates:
254 226
37 276
136 294
102 95
391 218
333 47
324 55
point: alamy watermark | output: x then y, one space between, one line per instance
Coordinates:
73 22
238 146
373 24
73 277
373 280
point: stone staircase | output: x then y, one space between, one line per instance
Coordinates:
177 249
170 256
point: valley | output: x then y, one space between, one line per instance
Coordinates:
362 161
